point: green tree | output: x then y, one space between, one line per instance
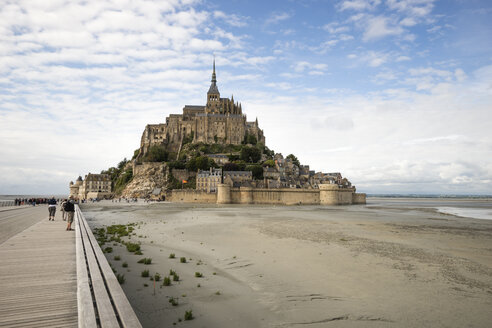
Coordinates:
294 159
250 154
230 167
269 163
256 170
156 154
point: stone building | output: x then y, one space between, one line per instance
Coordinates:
221 120
93 186
208 180
238 178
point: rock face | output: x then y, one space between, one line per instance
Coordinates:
147 177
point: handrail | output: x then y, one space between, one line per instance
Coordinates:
101 299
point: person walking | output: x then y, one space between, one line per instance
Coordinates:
70 209
52 208
62 207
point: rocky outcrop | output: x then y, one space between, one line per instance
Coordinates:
147 178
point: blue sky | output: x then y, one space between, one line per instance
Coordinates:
395 94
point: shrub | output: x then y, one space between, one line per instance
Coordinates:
166 281
172 272
121 278
172 255
175 277
145 260
124 264
145 273
108 250
182 260
217 293
117 258
198 275
188 315
157 277
138 252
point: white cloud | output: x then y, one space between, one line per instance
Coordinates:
231 19
358 4
277 17
379 27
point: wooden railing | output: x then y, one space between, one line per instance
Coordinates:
101 301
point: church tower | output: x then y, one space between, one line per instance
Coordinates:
213 95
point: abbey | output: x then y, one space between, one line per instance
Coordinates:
221 120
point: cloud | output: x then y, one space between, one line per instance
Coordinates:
231 19
379 27
358 5
303 65
277 17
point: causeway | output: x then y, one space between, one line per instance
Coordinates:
38 273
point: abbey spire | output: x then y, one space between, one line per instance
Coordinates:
213 87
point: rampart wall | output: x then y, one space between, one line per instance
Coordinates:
326 195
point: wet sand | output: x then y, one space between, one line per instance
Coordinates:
388 264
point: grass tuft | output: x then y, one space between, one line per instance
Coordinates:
145 260
124 264
166 281
173 301
108 250
188 315
121 278
198 275
182 260
117 258
145 273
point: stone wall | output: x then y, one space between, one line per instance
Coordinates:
191 196
326 195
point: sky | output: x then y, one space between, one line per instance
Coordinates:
394 94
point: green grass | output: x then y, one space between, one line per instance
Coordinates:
145 273
198 275
117 258
166 281
108 250
172 256
217 293
157 277
182 259
188 315
175 277
172 272
124 264
145 260
138 252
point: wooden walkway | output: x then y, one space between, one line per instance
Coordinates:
38 274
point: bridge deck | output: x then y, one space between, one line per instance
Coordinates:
38 274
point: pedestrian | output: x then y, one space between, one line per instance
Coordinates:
70 209
52 208
62 207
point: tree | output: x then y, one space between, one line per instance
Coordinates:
269 163
230 167
256 170
250 154
294 159
156 154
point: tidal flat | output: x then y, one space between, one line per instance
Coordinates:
390 263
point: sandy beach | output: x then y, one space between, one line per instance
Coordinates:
392 263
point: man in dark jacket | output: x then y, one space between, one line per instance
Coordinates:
52 208
70 210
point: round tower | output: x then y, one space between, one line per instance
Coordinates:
223 193
328 194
